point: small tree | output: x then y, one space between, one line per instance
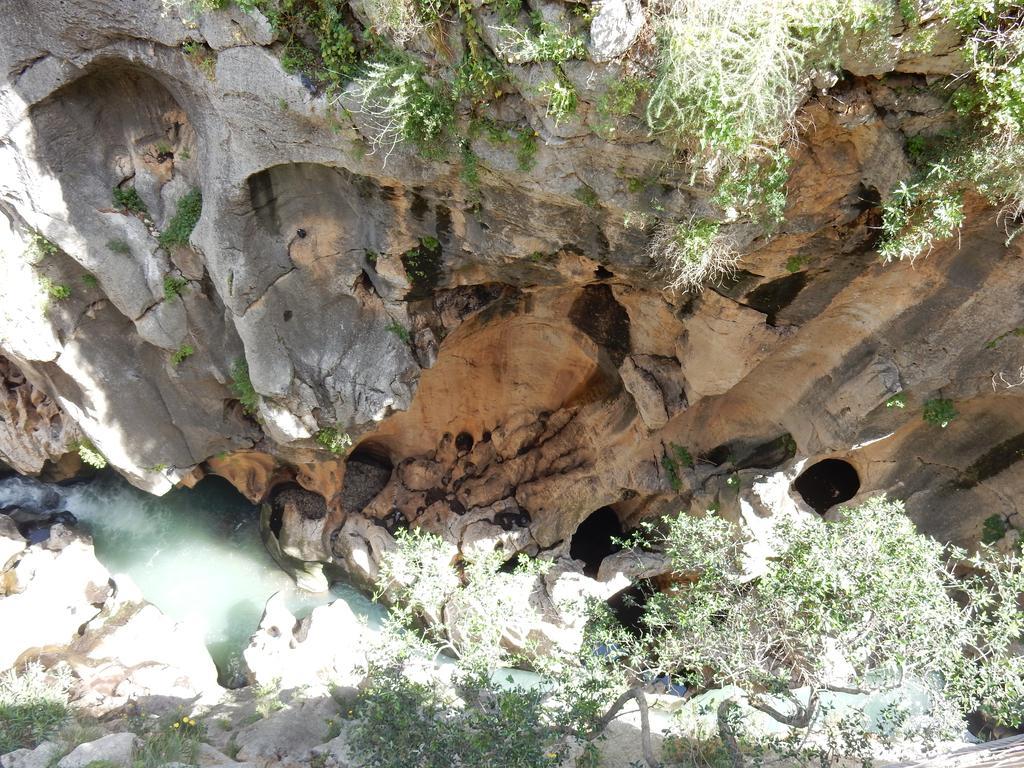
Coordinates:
859 605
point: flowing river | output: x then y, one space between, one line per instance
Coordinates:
195 553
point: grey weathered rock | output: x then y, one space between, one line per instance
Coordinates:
326 648
288 735
614 28
40 757
116 748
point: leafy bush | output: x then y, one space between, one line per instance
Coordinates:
984 151
693 252
993 529
562 99
939 412
53 290
333 440
899 400
174 286
400 104
403 723
550 43
182 354
829 605
180 227
39 247
128 198
241 386
33 705
119 246
675 457
90 454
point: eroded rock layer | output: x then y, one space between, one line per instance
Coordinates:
503 358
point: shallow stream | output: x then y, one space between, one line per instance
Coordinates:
195 553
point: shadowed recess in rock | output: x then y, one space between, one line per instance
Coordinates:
827 483
628 605
595 539
367 471
603 319
774 296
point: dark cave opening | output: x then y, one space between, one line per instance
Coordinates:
628 605
367 471
595 539
827 483
309 504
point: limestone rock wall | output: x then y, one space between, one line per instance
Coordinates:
504 357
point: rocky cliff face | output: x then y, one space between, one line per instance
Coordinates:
498 346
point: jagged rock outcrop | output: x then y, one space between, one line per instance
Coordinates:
502 354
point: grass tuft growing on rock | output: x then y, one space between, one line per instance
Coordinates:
693 252
241 386
128 199
185 218
33 705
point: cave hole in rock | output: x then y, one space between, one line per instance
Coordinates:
628 605
367 470
309 504
602 273
595 539
827 483
463 442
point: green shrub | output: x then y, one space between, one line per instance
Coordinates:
993 529
398 717
202 57
180 227
899 400
90 281
182 354
128 199
90 454
177 742
587 196
829 586
675 457
399 104
54 291
39 247
550 43
242 387
119 246
939 412
174 286
562 99
33 706
334 440
400 331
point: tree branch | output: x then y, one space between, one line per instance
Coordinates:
728 735
637 694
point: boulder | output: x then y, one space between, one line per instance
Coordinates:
50 595
116 748
42 756
326 648
287 736
615 27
